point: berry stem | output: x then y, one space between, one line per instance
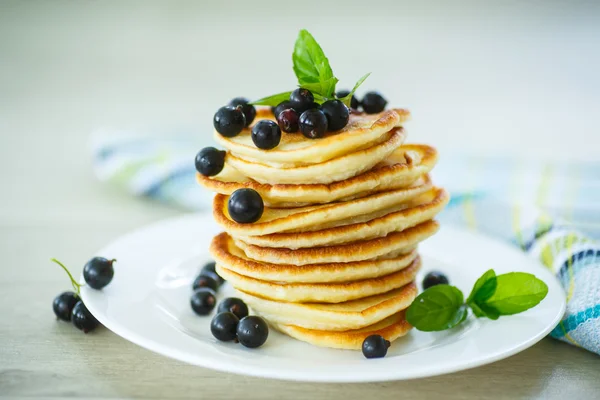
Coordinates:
74 283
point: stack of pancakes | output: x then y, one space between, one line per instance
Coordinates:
334 256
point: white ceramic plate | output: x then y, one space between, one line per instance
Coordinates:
148 303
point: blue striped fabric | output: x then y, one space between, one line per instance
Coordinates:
500 196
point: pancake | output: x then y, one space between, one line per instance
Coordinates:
318 216
361 131
372 228
332 170
403 167
356 251
326 292
390 328
353 314
227 254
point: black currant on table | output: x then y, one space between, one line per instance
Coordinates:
63 305
375 346
233 305
229 121
247 108
83 319
302 100
288 120
245 206
252 331
205 281
353 100
337 114
203 301
214 276
224 326
266 134
98 272
434 278
313 123
373 103
210 161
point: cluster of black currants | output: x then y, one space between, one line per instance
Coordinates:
301 113
97 273
232 321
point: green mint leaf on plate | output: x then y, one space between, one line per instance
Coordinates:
311 66
272 100
484 288
516 292
438 308
483 310
347 99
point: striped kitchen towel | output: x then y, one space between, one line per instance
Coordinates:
551 210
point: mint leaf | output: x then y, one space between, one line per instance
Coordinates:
347 99
516 292
273 100
437 308
483 310
484 288
317 88
311 66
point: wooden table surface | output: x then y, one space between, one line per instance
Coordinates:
67 68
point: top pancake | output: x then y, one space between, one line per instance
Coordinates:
362 130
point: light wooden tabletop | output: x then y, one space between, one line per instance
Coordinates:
67 68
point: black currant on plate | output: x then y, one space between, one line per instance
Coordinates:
284 105
234 305
210 161
252 331
337 114
63 305
204 281
266 134
434 278
301 100
288 120
229 121
214 276
375 346
245 206
247 108
373 103
83 319
353 101
203 301
211 267
313 123
224 326
98 272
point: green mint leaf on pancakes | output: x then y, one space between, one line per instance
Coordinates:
272 100
438 308
327 87
347 99
311 66
484 288
516 292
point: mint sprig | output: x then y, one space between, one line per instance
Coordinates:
313 72
442 307
273 100
348 98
